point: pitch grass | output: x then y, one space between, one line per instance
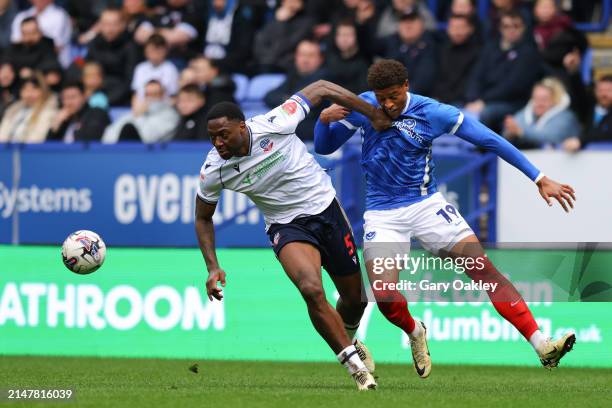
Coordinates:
169 383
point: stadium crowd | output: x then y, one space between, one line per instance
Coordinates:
113 70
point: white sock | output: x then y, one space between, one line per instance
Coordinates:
351 329
537 340
417 329
350 359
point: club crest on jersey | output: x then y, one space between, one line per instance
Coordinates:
406 127
266 145
290 107
370 235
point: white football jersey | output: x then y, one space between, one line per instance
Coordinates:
279 174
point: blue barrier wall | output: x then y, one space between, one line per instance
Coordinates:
143 195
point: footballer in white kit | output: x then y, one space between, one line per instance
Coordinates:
263 158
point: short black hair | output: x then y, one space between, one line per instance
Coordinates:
386 73
468 19
157 41
192 89
73 84
228 110
29 20
513 14
605 78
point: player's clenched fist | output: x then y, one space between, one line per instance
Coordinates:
333 114
214 276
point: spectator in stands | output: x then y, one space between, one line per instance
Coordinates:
506 71
191 105
415 48
32 51
93 81
187 77
390 17
458 55
53 74
599 128
181 23
229 36
153 118
345 64
562 47
276 42
217 85
546 120
501 7
84 15
308 68
28 120
8 10
118 55
549 21
323 13
8 86
54 23
156 67
76 121
468 8
135 12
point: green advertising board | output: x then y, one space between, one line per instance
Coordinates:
150 303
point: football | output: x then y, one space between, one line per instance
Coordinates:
83 252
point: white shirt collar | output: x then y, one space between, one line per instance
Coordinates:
407 103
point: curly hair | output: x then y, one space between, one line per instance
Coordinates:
386 73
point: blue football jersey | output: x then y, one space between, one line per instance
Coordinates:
397 162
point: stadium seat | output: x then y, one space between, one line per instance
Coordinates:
253 108
586 70
599 146
262 84
118 111
242 86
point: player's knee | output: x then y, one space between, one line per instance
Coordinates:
312 291
354 302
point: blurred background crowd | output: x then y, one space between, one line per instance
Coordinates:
148 70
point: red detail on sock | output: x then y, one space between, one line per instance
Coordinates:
394 307
506 299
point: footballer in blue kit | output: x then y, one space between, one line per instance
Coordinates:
402 200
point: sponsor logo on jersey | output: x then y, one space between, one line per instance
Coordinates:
236 167
406 127
370 235
247 180
271 118
266 145
290 107
264 167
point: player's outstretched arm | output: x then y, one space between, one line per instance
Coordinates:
322 89
205 231
475 132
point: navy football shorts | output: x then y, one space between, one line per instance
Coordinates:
329 231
